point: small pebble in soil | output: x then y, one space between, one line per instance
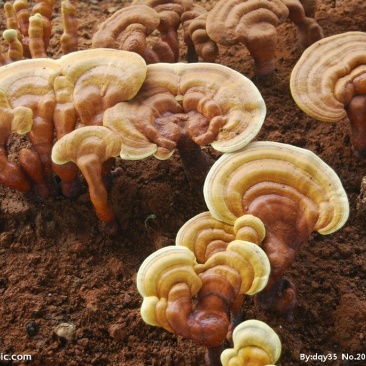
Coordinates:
65 331
31 328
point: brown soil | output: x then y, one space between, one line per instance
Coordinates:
59 265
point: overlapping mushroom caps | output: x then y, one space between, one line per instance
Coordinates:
328 83
90 82
204 236
27 86
186 106
194 300
291 190
253 24
91 148
255 344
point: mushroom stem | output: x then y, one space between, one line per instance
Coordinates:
356 112
280 297
261 42
92 170
195 162
212 356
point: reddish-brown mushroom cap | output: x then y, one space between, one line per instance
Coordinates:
102 78
212 103
127 29
290 189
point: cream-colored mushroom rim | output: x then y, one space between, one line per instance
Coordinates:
241 103
96 140
164 268
105 66
253 333
202 230
315 75
31 76
266 162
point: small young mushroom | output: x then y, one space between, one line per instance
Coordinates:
15 47
101 78
185 106
29 83
291 190
194 300
90 148
255 344
253 24
69 38
328 83
37 45
127 29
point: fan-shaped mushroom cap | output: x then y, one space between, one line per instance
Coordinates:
22 79
102 78
114 31
158 274
237 181
229 21
94 140
255 343
247 259
222 107
204 235
322 80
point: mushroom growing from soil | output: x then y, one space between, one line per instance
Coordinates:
329 83
89 82
253 23
28 85
292 191
194 300
91 148
186 106
205 236
255 344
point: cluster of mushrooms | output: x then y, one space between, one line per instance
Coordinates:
130 97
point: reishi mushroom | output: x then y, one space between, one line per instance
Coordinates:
255 344
29 84
185 106
292 191
170 12
199 44
18 120
205 236
91 148
328 83
127 29
194 300
102 78
253 24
